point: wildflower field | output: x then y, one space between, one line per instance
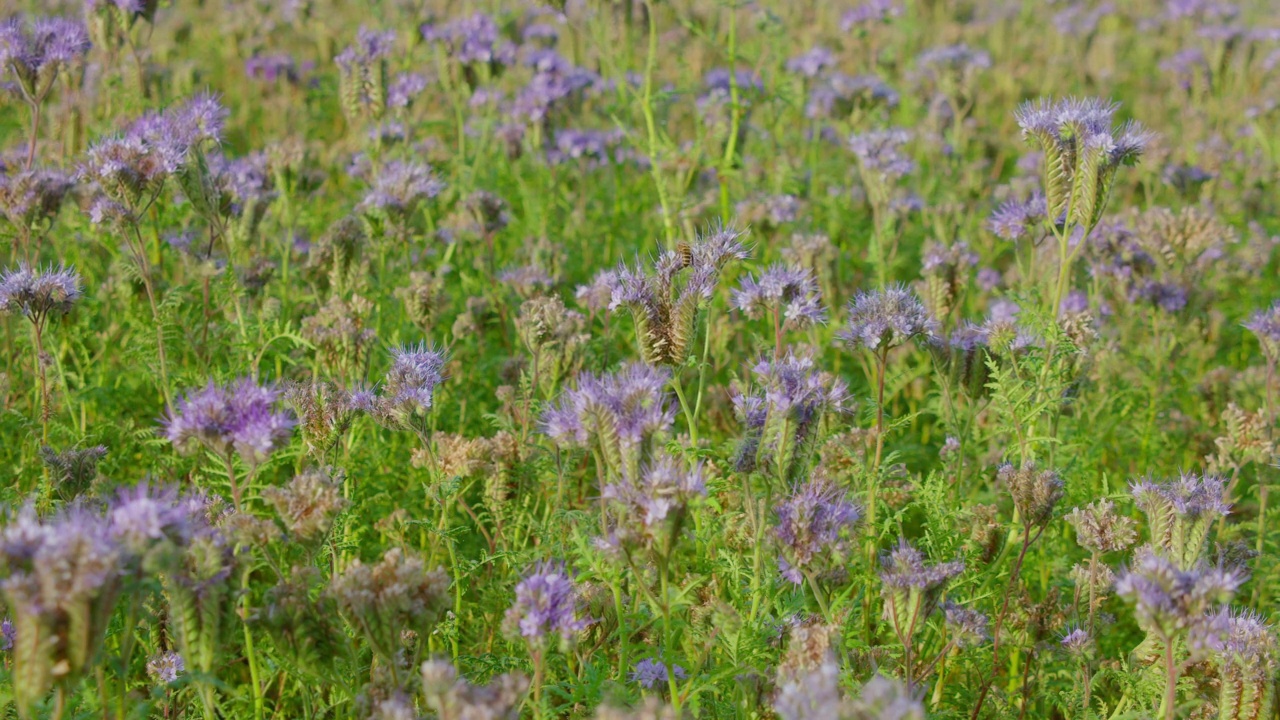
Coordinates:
639 360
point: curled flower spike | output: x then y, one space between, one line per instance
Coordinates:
1246 664
1180 513
32 198
1082 154
620 413
880 155
383 600
362 73
660 493
1099 529
665 309
912 589
967 626
1077 642
782 416
1035 492
61 578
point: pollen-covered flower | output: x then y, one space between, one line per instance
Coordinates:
1082 154
240 418
884 319
546 604
38 293
790 293
814 525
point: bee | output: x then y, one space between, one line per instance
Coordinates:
685 251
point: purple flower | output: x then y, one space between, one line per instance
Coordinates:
38 293
32 197
1077 642
813 525
270 68
35 50
953 59
409 386
665 310
871 11
886 319
130 169
781 418
812 63
661 490
1013 219
400 187
1083 151
1185 66
546 604
239 418
555 80
1172 603
650 672
166 667
7 635
789 292
967 626
905 569
369 47
880 155
594 145
145 515
404 88
1265 324
621 412
837 95
472 39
